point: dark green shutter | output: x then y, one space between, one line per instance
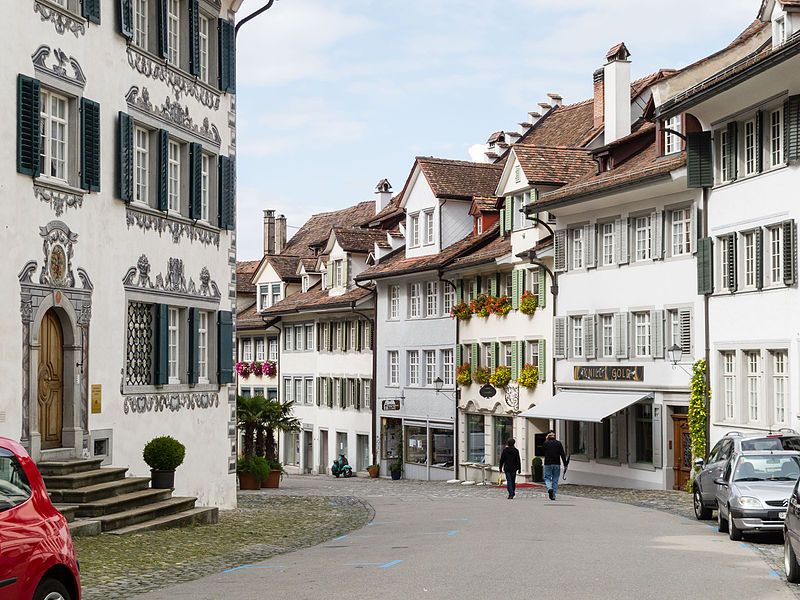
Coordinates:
705 269
759 133
125 150
126 18
227 196
733 283
759 241
700 163
163 37
791 128
733 150
227 56
194 37
163 170
542 359
91 11
162 344
90 145
789 253
224 347
194 336
28 125
195 180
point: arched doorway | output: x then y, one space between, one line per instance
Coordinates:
50 379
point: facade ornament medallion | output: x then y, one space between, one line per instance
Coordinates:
63 20
512 396
173 282
58 200
59 68
173 113
173 402
58 242
160 224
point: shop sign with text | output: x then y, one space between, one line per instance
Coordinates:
613 373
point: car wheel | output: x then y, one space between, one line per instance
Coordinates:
701 512
790 561
51 589
722 524
733 532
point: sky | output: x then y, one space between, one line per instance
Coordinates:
335 95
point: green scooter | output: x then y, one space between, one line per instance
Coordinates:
341 467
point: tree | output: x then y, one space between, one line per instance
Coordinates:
250 414
277 417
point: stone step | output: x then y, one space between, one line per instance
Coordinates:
67 467
58 455
123 502
200 515
85 527
68 510
148 512
99 491
81 479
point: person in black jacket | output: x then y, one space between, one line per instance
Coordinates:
510 464
554 455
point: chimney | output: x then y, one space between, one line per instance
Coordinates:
617 93
384 192
599 97
280 234
269 232
557 100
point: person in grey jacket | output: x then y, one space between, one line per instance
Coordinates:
510 464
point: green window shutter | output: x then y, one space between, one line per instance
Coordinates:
458 355
224 347
194 336
759 258
542 296
227 195
509 215
791 128
493 285
759 141
194 37
542 359
514 289
495 352
91 11
126 18
699 160
789 253
520 285
125 155
28 125
705 267
90 145
502 222
163 30
476 286
514 360
162 344
227 56
195 180
733 153
474 356
163 170
459 290
732 270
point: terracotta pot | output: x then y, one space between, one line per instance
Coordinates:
273 480
373 472
248 481
162 480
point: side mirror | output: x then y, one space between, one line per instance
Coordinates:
721 481
699 462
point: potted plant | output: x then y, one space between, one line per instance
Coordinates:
374 471
537 469
501 306
528 376
163 454
252 470
482 375
501 377
464 375
528 303
273 479
250 414
461 311
481 306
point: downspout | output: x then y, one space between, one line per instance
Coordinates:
457 397
707 332
373 405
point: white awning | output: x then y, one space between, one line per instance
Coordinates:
583 406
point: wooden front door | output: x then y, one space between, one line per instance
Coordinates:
51 381
683 451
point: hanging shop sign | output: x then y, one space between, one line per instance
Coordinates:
393 404
487 391
621 373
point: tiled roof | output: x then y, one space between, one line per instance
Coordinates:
317 229
390 211
553 165
285 266
314 299
482 205
310 264
244 274
460 178
495 249
571 126
355 239
249 319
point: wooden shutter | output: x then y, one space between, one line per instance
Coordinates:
330 392
509 214
514 289
759 243
162 344
224 347
227 56
705 267
502 222
589 343
621 335
193 367
457 353
542 359
685 325
791 129
163 170
91 11
514 360
195 180
560 250
359 335
789 253
493 285
90 145
476 286
495 350
657 223
699 160
733 150
542 296
474 356
126 18
163 30
759 133
318 384
330 336
657 333
621 227
125 151
560 337
732 267
227 196
590 246
28 125
459 291
521 284
194 37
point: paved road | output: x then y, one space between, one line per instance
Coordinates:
450 546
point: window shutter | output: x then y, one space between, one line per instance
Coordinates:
357 399
162 344
195 180
91 11
163 170
126 18
502 222
705 267
542 296
227 195
657 333
791 129
359 335
368 335
621 334
759 235
458 355
685 324
560 250
509 214
163 37
590 247
759 141
194 37
474 356
476 286
733 153
514 360
330 336
542 359
789 253
227 56
589 346
194 334
459 290
345 270
90 145
319 382
657 220
699 159
560 337
125 150
732 267
493 285
514 289
28 125
493 356
224 347
330 392
622 241
520 284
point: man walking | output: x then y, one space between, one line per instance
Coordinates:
554 455
510 464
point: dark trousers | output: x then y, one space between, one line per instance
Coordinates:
511 483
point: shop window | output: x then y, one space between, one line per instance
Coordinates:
442 448
608 439
416 445
476 450
577 437
643 432
503 431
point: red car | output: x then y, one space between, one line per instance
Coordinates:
37 558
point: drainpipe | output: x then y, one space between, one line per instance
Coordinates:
373 404
253 15
707 330
457 397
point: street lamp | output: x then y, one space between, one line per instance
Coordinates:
675 354
438 384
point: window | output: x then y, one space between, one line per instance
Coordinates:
479 225
14 486
577 248
577 437
140 23
304 283
643 235
394 368
503 431
724 244
780 387
643 432
142 170
263 296
442 448
748 241
247 350
487 354
533 353
776 137
394 302
430 367
291 448
607 241
429 224
729 384
432 298
288 339
679 324
174 345
506 354
416 300
681 231
366 332
508 285
519 202
298 337
780 30
476 446
202 347
642 325
447 367
53 160
337 392
607 332
352 337
173 31
203 47
338 273
309 395
272 349
753 362
174 192
276 293
205 187
413 227
416 445
413 367
724 153
608 442
577 337
260 349
776 255
448 298
309 337
749 147
672 143
337 336
298 391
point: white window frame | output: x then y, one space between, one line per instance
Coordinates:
724 151
576 326
429 227
338 273
413 230
607 244
780 30
308 383
394 368
576 235
672 142
723 245
275 294
272 349
448 298
415 301
174 345
140 25
202 347
728 360
142 167
749 262
749 135
205 187
203 35
643 346
607 335
394 302
174 32
430 368
55 135
752 360
775 254
260 349
776 137
448 367
432 299
506 354
643 238
681 228
413 367
174 168
247 349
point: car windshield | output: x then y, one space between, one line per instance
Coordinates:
762 444
767 468
14 486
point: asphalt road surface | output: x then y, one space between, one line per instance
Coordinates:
480 547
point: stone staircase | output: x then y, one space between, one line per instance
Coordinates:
97 499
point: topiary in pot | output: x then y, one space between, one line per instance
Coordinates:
252 471
163 455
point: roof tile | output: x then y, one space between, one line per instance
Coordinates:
460 178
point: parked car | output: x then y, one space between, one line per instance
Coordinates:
705 491
791 536
37 558
753 491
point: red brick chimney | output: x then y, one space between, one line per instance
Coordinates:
599 97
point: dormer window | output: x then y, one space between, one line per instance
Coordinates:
779 31
517 174
480 225
672 142
338 273
305 283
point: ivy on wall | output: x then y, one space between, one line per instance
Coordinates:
698 414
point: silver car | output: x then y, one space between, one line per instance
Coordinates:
753 491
